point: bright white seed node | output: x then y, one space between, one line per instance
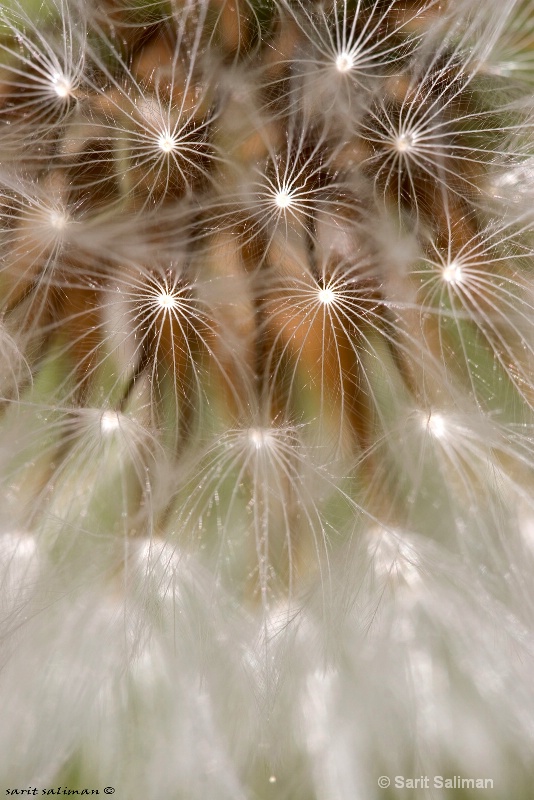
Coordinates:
62 86
403 143
166 142
283 199
259 438
58 221
166 300
436 425
452 273
109 421
344 62
326 296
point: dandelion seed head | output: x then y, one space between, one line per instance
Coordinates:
266 291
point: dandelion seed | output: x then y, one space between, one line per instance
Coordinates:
43 71
296 183
433 128
361 42
321 330
473 278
